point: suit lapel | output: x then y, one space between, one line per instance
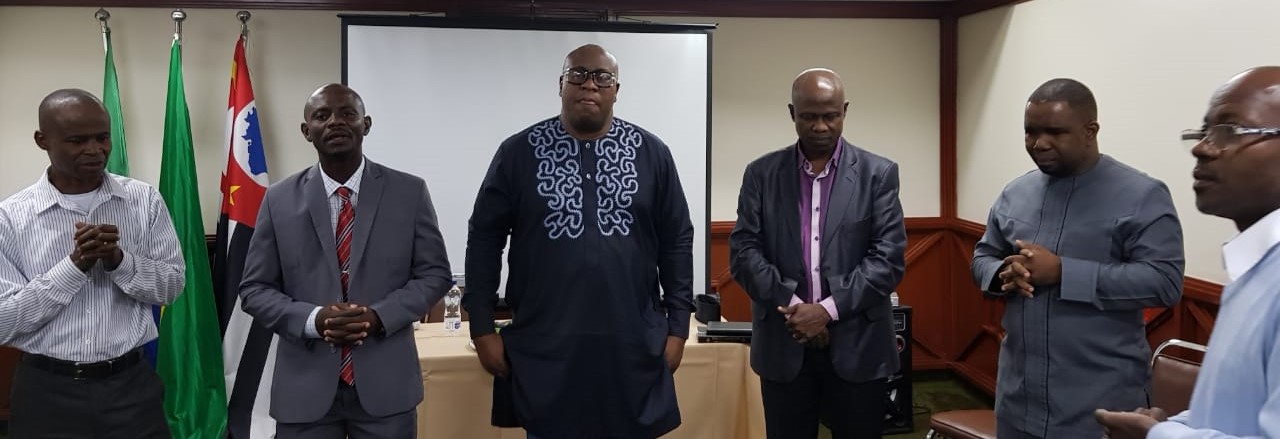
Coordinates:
317 202
370 198
842 191
790 202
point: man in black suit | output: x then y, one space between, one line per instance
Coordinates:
819 246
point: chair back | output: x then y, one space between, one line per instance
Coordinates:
1173 375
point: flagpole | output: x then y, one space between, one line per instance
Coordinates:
178 16
102 15
244 17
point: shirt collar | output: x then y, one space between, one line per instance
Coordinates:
835 159
47 195
353 183
1248 248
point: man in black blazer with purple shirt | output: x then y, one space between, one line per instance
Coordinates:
818 246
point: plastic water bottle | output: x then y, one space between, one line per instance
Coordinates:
893 299
453 310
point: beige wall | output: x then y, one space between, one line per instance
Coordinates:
890 67
890 70
1152 65
290 54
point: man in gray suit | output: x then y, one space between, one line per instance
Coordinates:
819 246
341 280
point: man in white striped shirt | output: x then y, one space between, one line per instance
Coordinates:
83 256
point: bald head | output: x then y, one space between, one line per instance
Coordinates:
817 84
334 121
1237 175
1258 87
591 52
60 104
818 109
332 89
75 131
588 89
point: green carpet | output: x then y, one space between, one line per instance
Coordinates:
935 392
931 392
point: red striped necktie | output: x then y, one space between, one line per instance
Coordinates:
346 218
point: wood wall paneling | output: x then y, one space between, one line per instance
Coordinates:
949 62
955 326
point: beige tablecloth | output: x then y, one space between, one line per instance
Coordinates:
719 395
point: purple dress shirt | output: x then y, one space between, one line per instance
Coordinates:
815 195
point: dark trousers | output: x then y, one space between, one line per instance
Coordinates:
347 418
792 410
128 404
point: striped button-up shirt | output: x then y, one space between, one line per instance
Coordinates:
49 307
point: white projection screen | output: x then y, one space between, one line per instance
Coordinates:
444 93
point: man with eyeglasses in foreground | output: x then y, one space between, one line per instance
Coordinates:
1077 249
1237 176
598 221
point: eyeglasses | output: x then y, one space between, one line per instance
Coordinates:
1225 136
603 79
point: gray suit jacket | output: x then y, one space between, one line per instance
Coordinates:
863 244
398 268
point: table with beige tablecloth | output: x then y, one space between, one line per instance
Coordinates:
719 395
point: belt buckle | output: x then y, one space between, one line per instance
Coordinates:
78 373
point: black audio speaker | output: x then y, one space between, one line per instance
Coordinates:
897 413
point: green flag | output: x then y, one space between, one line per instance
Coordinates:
190 354
118 162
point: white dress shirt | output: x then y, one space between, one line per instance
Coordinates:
48 306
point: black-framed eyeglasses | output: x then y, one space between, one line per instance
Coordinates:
1224 136
602 78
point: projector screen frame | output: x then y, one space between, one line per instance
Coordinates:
348 20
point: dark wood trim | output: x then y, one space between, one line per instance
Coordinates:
721 279
949 63
1201 290
925 223
985 332
921 364
915 251
967 228
721 229
1202 317
961 8
585 9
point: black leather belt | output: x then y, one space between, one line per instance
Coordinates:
83 371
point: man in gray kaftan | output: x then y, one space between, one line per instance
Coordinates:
1078 249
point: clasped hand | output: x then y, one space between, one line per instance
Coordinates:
96 242
1033 266
347 323
808 323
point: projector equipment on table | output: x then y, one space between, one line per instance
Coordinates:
728 332
707 307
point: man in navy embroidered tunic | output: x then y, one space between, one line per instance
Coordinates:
601 267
